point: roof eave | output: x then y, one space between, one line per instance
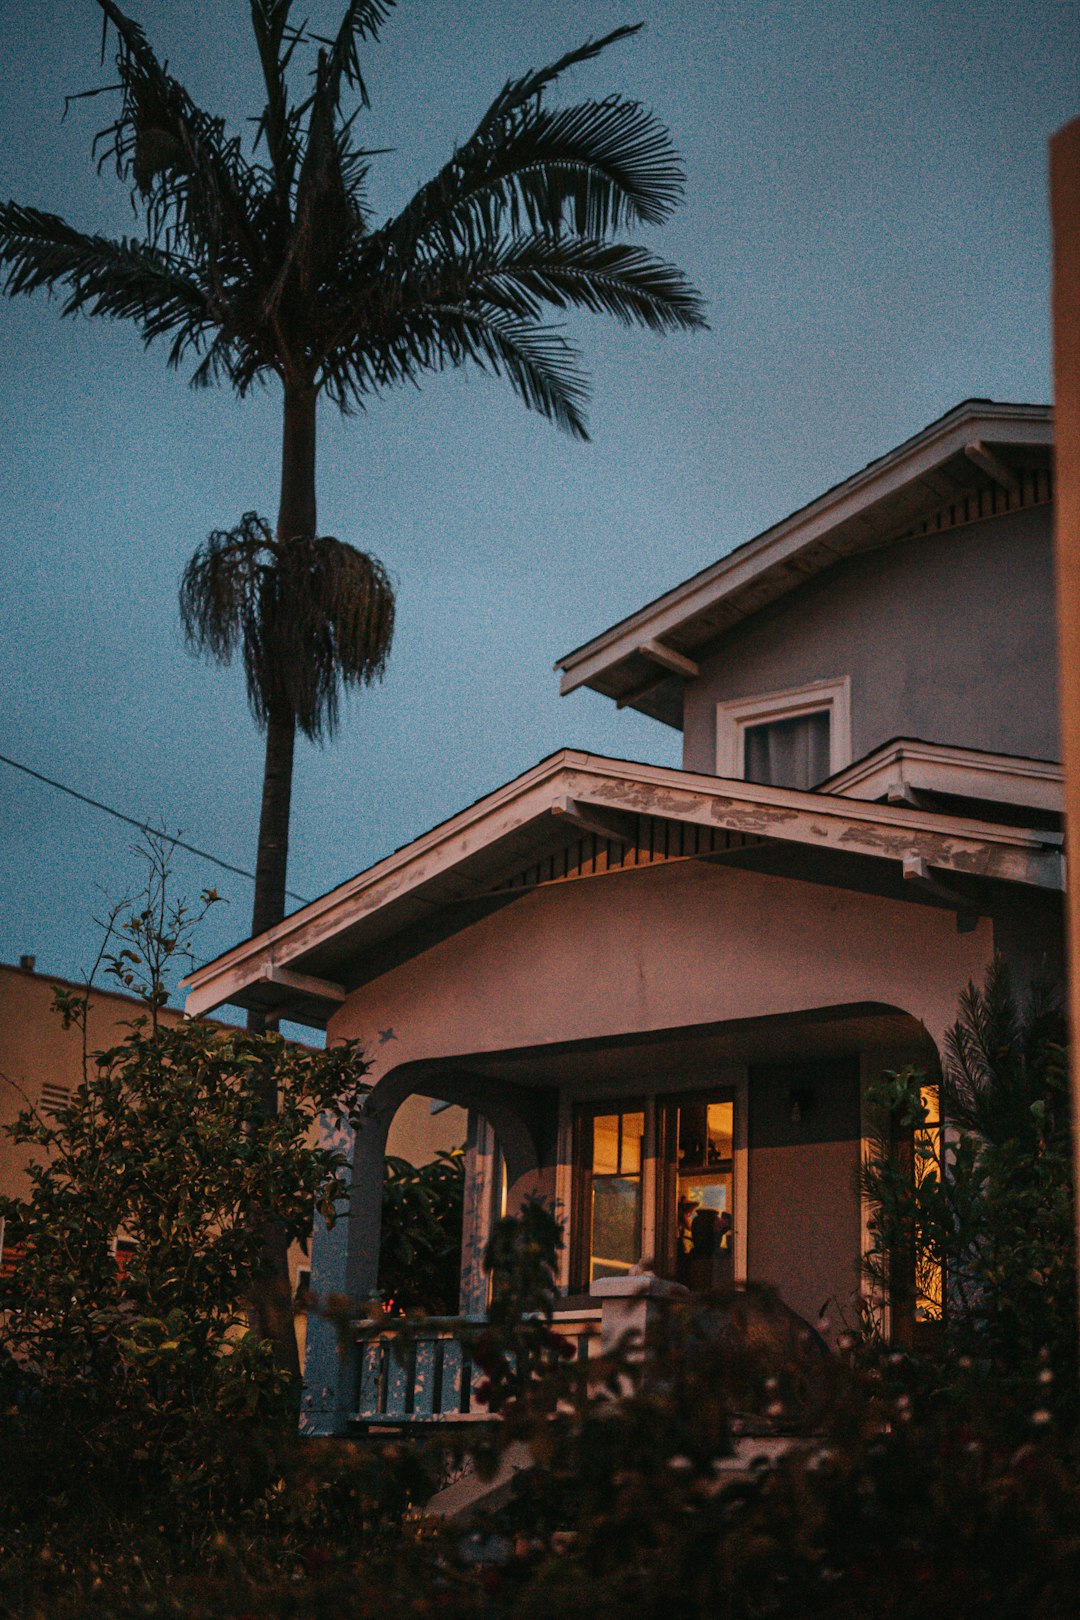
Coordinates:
1026 425
438 868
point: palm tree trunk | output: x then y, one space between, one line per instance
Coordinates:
296 519
272 1299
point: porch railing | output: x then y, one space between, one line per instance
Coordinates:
431 1377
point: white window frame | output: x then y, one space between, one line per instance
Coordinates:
736 714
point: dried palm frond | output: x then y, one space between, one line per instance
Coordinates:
309 618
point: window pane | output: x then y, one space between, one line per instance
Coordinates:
616 1226
721 1127
788 753
692 1134
605 1161
929 1273
705 1249
633 1130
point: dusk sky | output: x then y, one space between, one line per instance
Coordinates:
866 213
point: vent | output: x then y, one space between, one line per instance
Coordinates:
54 1096
653 841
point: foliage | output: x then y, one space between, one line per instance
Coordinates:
909 1484
420 1254
893 1506
133 1369
308 617
268 264
996 1215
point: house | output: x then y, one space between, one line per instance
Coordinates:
41 1064
662 993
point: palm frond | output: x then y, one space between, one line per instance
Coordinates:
279 123
518 92
362 21
996 1063
199 194
541 366
311 618
604 278
123 280
593 167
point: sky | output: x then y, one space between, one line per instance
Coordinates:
866 213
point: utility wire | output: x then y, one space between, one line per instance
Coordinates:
142 826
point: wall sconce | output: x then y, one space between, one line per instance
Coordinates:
801 1101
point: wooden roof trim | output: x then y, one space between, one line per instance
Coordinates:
781 545
852 825
965 772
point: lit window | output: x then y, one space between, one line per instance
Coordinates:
927 1159
699 1134
612 1146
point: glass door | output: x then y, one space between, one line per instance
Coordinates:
696 1223
610 1152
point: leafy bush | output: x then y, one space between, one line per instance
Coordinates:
130 1377
993 1212
420 1257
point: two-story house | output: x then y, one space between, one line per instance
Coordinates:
662 993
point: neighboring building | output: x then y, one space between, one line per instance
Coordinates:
662 993
41 1064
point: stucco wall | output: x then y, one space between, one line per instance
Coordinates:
804 1220
949 638
659 948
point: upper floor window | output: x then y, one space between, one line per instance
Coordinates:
793 739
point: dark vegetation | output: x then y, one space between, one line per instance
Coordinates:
149 1461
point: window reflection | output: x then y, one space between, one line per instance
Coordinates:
615 1215
702 1187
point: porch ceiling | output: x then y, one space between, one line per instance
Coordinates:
487 857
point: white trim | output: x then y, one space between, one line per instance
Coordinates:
964 773
434 869
733 715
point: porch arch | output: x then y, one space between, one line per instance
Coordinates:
513 1113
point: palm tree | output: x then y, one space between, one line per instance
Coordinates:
267 265
309 616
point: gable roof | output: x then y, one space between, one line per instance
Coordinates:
904 769
504 845
981 459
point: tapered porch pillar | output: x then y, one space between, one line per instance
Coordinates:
344 1268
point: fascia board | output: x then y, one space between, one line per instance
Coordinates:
1030 425
851 825
1037 784
438 850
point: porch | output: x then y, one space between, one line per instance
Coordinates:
696 1157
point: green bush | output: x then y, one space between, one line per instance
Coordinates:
992 1214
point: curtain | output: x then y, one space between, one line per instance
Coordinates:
788 753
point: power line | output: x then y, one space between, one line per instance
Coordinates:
84 798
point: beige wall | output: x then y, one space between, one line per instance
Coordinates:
669 949
36 1049
660 948
948 637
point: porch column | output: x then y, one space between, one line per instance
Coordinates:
344 1267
